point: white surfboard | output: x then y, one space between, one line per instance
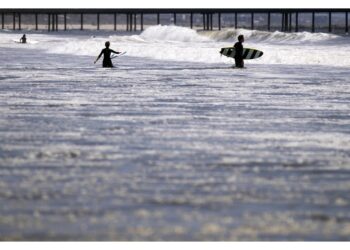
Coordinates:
247 53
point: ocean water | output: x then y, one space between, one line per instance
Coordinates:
173 143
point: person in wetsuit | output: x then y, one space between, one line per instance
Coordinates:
239 52
107 62
23 39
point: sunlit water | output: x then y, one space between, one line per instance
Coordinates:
158 149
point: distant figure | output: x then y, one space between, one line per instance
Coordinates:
239 52
23 39
107 62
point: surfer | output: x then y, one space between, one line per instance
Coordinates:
23 39
239 52
107 62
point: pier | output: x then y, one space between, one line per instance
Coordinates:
285 20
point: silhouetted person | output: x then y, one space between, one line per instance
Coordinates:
23 39
107 62
239 52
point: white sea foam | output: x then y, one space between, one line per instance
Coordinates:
172 33
230 35
183 44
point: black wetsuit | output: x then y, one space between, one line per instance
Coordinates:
239 55
23 39
107 62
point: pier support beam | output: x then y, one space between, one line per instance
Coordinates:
65 21
296 21
127 22
330 22
285 23
313 22
53 22
19 21
158 18
203 21
269 21
81 21
2 21
135 22
207 21
346 22
115 21
141 21
36 21
236 20
98 21
219 21
174 18
252 21
131 22
191 20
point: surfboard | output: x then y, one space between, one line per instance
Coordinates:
117 55
247 53
28 42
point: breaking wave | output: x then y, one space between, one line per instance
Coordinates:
172 33
273 37
183 34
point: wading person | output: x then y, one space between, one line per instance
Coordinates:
23 39
239 52
106 52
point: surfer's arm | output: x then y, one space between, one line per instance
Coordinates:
115 52
99 56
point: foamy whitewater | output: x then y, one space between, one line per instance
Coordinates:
173 143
